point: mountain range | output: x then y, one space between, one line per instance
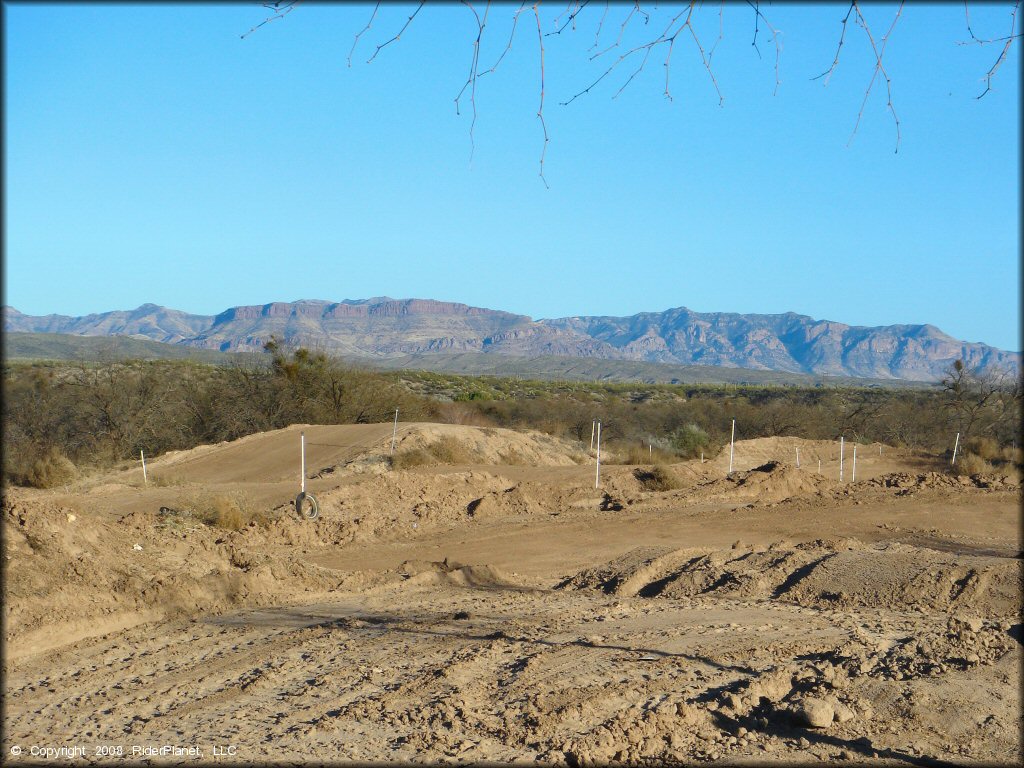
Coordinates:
384 328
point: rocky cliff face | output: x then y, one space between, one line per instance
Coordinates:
385 327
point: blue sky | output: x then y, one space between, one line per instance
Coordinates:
153 155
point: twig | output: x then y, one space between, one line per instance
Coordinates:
540 110
600 26
473 67
570 20
1007 42
399 35
775 39
878 68
622 31
360 33
827 74
281 10
668 36
512 34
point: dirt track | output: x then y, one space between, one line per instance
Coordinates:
518 614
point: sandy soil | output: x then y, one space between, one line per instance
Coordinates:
514 613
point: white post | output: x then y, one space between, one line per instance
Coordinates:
651 446
798 458
394 433
955 446
841 458
819 466
302 453
853 476
142 455
702 457
732 444
879 450
597 476
593 426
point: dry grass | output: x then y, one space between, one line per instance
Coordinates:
514 458
984 448
445 450
1012 455
230 511
51 470
165 481
642 454
657 478
973 464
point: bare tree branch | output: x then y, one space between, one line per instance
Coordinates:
827 74
281 9
399 35
668 36
570 20
600 26
512 34
540 110
473 68
775 40
879 68
360 33
1007 42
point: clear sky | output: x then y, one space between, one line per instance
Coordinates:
153 155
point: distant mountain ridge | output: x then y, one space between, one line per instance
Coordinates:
386 328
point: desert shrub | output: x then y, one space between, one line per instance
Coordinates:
984 448
50 470
415 457
1012 455
972 464
689 440
450 450
445 450
165 481
657 478
461 413
514 458
645 454
231 511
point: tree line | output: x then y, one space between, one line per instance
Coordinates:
59 418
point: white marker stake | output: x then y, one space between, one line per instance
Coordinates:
593 426
840 459
651 446
702 457
302 440
853 476
819 466
732 444
798 458
879 450
597 476
394 433
142 455
955 446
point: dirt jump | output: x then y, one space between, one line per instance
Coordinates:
481 595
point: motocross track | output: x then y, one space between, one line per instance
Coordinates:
505 610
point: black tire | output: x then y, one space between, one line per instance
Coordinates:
307 506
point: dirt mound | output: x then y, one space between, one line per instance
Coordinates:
487 445
906 483
77 576
772 481
823 574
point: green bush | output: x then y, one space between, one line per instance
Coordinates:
690 440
